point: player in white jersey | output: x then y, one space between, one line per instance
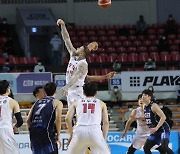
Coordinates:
78 67
142 131
8 106
87 132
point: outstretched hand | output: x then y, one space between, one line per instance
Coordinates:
60 22
110 75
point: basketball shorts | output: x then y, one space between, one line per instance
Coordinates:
42 141
8 144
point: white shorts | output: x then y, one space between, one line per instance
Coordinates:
8 144
74 94
88 136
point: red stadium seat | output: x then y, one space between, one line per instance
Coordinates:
151 32
93 38
103 38
142 49
147 43
95 71
175 56
74 39
90 59
152 37
81 33
88 28
111 49
133 57
154 42
72 33
101 33
154 56
116 44
111 58
160 31
79 28
172 36
122 38
111 33
132 38
77 44
83 39
100 50
174 48
152 49
143 56
102 58
165 56
105 71
131 49
121 49
91 33
140 38
139 69
123 57
13 60
176 42
127 43
112 38
137 43
107 44
2 60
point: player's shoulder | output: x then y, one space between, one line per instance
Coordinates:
57 102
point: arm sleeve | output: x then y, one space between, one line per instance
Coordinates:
19 119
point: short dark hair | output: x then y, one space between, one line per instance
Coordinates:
50 88
4 84
90 89
148 92
36 90
139 96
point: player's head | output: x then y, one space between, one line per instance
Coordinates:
147 96
50 88
90 89
86 50
140 102
4 87
39 92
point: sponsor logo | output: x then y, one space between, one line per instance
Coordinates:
135 81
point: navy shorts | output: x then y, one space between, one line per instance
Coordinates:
158 136
43 141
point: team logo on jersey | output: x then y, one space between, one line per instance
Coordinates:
5 101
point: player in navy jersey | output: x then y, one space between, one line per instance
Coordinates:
159 128
41 119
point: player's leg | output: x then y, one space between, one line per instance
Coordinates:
164 145
131 150
148 145
8 143
99 145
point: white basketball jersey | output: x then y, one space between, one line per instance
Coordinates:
72 67
89 111
5 112
142 128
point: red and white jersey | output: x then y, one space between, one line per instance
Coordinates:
5 112
88 111
142 128
72 67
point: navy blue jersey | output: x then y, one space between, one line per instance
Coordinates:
152 119
43 114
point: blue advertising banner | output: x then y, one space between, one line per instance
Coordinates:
26 82
120 145
60 81
115 81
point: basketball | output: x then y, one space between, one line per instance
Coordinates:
104 3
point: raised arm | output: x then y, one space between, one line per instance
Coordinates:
105 126
66 37
102 77
128 123
81 70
